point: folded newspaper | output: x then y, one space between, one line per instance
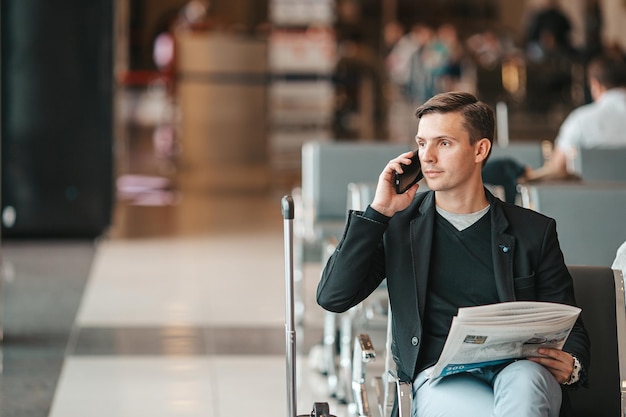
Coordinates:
497 333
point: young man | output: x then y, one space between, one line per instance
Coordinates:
456 246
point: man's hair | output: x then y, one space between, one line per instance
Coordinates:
608 71
479 118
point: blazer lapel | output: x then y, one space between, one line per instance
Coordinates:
502 248
421 242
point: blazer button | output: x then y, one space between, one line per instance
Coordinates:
414 341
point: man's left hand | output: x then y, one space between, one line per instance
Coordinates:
559 363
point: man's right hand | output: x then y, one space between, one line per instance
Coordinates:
386 201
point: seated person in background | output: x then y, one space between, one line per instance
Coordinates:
506 172
453 246
598 124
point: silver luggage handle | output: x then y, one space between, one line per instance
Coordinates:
319 409
287 207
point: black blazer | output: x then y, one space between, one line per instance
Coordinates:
528 265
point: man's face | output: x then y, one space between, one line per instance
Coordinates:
448 160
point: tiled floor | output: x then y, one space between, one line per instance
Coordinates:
183 321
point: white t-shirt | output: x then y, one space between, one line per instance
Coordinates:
598 124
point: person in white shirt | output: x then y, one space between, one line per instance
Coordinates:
598 124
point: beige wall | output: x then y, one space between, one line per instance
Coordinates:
223 123
614 18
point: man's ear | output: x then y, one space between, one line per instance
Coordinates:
482 148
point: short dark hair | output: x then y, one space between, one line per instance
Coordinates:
479 117
608 71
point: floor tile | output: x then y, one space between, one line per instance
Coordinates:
130 387
233 280
186 341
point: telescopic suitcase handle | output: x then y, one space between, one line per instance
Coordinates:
290 331
319 409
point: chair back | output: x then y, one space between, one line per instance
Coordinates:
526 153
601 164
589 217
600 294
328 168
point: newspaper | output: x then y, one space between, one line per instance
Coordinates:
497 333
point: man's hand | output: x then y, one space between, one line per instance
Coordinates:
386 201
559 363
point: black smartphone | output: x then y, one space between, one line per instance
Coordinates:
412 174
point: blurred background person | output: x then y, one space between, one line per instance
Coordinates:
598 124
450 77
548 31
398 65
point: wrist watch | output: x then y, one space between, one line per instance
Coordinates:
575 376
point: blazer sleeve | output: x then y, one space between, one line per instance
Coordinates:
356 268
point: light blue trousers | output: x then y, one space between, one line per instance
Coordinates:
519 389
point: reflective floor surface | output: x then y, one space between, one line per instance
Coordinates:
178 311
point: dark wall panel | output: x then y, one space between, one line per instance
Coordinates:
57 117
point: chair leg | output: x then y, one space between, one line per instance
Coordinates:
344 374
389 385
404 395
329 362
363 353
405 399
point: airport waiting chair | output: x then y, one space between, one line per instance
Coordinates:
600 294
589 217
344 356
601 164
327 169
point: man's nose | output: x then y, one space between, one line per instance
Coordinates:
427 153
